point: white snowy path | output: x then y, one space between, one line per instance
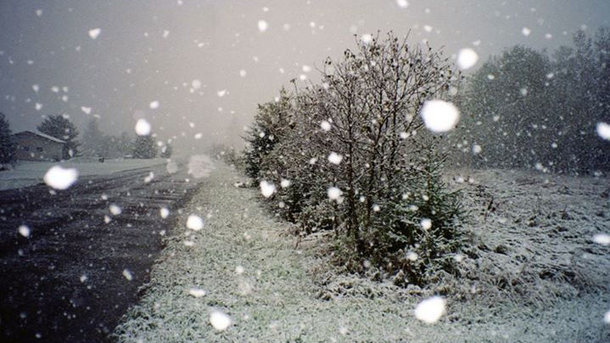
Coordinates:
28 173
250 270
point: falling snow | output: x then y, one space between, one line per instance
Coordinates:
24 230
194 222
267 188
440 116
219 320
61 178
467 58
197 292
603 130
94 33
127 274
334 193
325 125
262 25
430 310
142 127
164 212
335 158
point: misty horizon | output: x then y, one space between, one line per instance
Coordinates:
208 64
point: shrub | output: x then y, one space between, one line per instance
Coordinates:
360 162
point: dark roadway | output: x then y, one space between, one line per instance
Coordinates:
65 282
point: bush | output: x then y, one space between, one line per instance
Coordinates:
358 160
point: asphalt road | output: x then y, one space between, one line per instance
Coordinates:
69 280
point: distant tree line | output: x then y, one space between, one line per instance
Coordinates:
109 146
526 109
95 144
350 155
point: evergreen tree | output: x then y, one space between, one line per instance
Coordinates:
62 128
144 147
7 146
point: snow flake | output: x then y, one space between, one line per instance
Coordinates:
607 317
39 12
285 183
164 212
242 73
476 149
602 238
402 3
154 105
313 160
430 310
267 188
198 135
523 91
197 292
334 158
38 106
165 33
86 110
306 68
467 58
440 116
603 130
334 193
196 84
36 88
60 178
115 209
107 219
127 274
325 125
376 208
194 222
142 127
219 320
366 38
24 230
94 33
221 93
426 223
262 25
239 270
526 31
83 278
149 177
412 256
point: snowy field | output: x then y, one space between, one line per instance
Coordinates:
28 173
230 273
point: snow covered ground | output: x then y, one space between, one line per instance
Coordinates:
532 274
27 173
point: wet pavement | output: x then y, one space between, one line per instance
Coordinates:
82 266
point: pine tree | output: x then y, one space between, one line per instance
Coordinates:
7 146
144 147
62 128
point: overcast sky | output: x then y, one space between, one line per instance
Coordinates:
154 50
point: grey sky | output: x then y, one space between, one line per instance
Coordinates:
135 61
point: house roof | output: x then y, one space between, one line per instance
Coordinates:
42 135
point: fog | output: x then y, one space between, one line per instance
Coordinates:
156 50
